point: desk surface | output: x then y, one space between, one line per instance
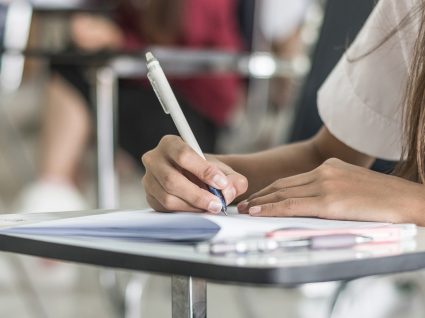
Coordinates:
181 62
279 268
71 6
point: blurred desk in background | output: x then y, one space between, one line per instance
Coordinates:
108 67
71 6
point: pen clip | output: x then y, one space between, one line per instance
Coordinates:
153 83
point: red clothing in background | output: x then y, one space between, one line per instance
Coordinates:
207 24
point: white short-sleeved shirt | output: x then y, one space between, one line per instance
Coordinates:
361 102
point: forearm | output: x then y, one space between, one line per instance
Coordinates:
264 167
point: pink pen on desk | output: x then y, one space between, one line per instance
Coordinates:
384 233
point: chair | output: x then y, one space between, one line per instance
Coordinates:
15 23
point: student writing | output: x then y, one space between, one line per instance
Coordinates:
372 106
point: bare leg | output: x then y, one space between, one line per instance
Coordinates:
66 127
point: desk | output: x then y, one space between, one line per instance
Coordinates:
176 62
190 270
73 6
111 66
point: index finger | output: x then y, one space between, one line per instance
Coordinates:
293 207
289 182
186 158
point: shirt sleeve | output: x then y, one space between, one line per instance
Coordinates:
361 100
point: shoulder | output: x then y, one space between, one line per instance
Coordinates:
398 10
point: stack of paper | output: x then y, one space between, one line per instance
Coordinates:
148 225
134 225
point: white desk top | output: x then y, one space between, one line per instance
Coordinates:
277 268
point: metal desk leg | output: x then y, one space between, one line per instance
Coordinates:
107 197
189 297
107 191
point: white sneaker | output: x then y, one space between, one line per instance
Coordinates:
45 196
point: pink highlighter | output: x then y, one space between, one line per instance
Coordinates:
380 234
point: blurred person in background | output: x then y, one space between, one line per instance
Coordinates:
207 101
281 23
268 26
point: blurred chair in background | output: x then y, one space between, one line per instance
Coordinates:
207 101
15 35
15 26
268 27
281 25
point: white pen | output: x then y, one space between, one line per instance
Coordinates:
171 106
264 244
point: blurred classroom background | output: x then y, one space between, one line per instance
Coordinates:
245 71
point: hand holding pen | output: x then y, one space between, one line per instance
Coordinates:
178 178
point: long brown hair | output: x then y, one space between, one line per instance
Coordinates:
412 163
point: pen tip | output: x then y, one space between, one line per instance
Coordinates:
149 57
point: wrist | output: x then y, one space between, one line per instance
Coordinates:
409 206
416 212
233 161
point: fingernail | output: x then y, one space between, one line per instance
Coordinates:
229 194
243 205
255 210
220 181
215 207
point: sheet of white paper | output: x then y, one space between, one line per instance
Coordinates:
237 225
